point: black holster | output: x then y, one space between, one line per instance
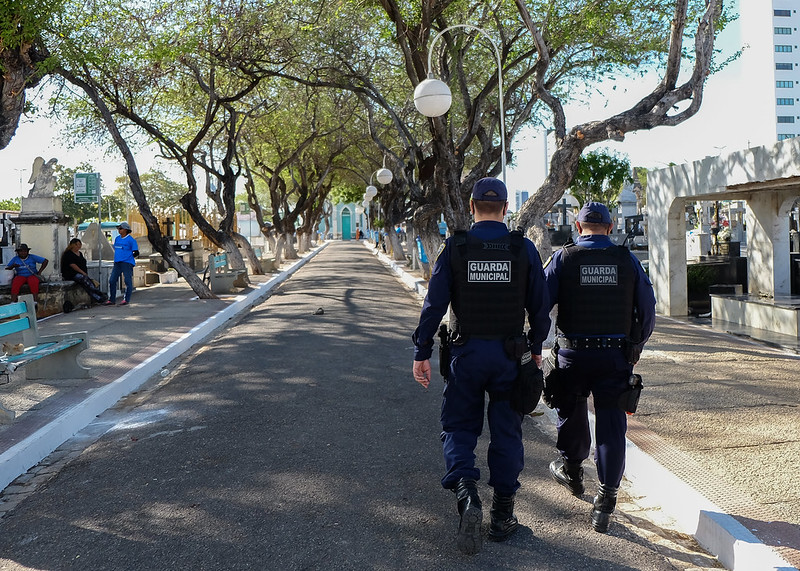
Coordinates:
444 351
629 400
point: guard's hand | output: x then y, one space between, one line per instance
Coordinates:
538 360
422 372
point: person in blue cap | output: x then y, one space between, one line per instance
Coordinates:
126 250
606 313
490 277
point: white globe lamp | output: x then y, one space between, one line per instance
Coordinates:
432 97
384 176
372 191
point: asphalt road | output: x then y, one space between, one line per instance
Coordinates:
300 441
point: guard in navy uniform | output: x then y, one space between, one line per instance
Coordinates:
606 313
491 277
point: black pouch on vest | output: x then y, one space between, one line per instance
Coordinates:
528 386
629 400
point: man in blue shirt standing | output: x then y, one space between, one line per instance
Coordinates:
606 313
126 250
491 278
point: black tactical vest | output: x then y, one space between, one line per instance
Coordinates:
595 291
490 283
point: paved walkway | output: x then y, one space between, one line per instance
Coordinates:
718 418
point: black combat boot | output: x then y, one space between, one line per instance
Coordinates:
604 503
504 522
469 508
568 474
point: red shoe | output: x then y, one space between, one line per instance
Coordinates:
123 302
109 302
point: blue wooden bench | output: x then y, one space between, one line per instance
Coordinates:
221 278
44 356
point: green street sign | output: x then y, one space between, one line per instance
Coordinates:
86 186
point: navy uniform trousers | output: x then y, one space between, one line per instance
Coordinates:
477 367
604 373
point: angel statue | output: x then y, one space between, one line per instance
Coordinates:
42 178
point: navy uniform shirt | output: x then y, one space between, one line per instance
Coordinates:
441 283
644 299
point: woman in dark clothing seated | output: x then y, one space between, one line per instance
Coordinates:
73 267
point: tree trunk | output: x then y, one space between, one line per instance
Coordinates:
290 253
255 263
302 241
398 254
159 242
279 249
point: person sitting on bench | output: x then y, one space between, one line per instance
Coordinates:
74 268
24 264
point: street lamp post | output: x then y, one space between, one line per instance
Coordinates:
432 96
21 189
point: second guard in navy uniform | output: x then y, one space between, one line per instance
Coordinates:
491 277
606 313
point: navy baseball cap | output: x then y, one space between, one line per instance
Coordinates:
490 189
594 212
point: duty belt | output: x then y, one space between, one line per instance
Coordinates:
591 342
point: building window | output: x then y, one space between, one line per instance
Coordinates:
782 48
785 101
782 65
784 136
783 83
785 119
783 31
782 12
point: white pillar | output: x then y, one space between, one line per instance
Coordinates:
767 219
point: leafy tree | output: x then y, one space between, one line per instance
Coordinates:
545 62
10 204
632 34
24 59
297 164
185 77
600 177
346 193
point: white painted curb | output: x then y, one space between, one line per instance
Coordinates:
30 451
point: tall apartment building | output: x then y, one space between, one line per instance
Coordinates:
787 72
520 197
771 58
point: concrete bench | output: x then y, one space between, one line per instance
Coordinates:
43 356
221 278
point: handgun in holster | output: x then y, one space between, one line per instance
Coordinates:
629 400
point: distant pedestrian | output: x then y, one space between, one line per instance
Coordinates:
491 277
126 250
74 268
25 265
606 313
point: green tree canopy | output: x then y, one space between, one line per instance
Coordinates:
600 177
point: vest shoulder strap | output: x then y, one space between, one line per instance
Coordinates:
460 239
